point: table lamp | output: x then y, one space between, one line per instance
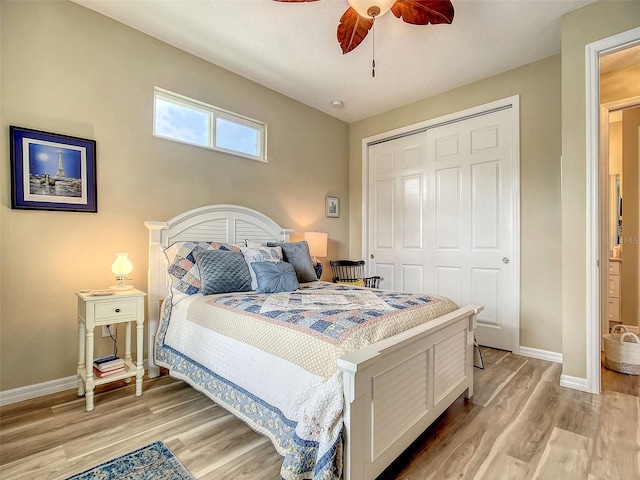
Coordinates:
121 268
317 242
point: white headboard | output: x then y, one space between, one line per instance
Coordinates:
214 223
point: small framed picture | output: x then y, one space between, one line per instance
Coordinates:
52 172
333 207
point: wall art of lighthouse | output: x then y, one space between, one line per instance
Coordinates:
51 171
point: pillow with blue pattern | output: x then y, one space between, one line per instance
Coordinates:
260 254
275 277
184 274
222 271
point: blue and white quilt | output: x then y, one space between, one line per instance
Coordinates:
271 359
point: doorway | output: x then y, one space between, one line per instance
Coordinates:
620 205
595 117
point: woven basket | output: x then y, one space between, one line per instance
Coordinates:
622 351
620 329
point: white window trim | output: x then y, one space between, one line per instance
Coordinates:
214 113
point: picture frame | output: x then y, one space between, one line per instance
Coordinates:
51 171
332 207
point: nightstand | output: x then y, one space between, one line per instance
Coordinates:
126 306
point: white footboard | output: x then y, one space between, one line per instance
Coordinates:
396 388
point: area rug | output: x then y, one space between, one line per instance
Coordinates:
153 462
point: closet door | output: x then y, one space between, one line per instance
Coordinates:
441 218
397 199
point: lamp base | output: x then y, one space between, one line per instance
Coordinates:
120 288
318 268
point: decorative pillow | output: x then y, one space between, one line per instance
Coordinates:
222 271
184 275
297 254
275 277
260 254
253 244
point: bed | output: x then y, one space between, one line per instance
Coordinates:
341 379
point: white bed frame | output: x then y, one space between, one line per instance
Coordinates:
394 389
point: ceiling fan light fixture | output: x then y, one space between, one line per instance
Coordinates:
371 8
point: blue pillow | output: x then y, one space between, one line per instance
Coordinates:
222 271
275 277
297 254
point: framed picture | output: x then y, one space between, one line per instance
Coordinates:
52 172
333 207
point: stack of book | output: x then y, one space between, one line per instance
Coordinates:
109 365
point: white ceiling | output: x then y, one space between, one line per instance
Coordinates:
292 47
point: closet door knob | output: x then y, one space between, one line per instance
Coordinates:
505 260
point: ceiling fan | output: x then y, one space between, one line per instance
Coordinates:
359 18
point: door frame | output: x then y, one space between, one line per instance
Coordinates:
605 197
512 102
593 52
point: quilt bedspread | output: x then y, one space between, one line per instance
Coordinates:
315 325
272 359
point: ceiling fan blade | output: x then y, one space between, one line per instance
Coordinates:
352 29
423 12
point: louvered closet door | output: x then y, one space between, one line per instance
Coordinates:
441 218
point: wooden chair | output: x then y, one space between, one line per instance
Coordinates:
349 271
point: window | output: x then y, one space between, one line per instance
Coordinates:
189 121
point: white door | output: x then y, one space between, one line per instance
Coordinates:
397 190
441 218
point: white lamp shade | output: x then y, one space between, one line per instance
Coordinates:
363 6
122 266
296 237
317 243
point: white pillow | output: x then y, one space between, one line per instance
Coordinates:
253 243
260 254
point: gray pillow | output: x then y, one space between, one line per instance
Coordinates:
297 254
222 271
275 277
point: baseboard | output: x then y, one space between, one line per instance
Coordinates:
577 383
38 390
547 355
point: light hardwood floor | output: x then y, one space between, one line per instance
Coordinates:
520 424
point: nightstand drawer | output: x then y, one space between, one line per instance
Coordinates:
115 310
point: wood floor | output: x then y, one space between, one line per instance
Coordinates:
520 424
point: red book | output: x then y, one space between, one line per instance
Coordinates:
110 368
100 374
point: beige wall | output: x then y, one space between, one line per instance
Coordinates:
539 86
580 28
67 69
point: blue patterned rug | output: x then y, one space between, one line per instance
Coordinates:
153 462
